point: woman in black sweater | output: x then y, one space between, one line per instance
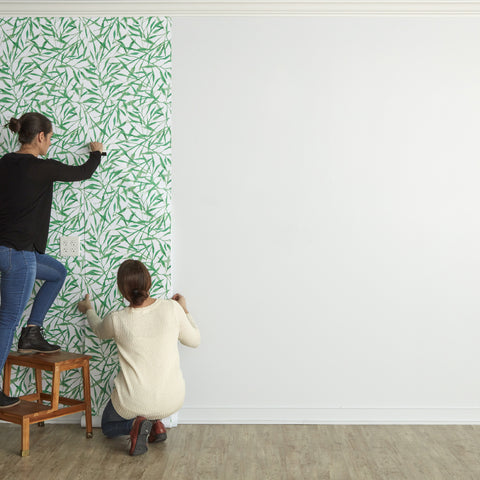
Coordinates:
26 190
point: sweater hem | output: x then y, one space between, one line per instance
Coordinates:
128 414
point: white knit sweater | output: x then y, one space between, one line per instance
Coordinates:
150 382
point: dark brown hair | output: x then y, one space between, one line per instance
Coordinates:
29 125
134 281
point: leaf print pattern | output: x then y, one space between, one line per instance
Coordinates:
97 79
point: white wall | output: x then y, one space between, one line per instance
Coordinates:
325 214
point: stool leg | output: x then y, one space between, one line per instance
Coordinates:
87 398
7 374
55 388
38 381
25 452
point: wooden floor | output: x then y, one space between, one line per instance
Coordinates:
250 452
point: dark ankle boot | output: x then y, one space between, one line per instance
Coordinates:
31 341
6 402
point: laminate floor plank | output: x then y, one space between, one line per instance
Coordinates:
249 452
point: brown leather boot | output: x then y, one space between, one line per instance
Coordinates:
158 432
138 436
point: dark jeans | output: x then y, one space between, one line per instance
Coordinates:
113 425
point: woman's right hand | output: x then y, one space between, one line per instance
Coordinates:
85 304
96 147
181 300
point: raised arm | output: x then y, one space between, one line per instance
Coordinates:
189 334
61 172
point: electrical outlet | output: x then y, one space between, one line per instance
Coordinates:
70 246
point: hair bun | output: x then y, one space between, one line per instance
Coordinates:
138 296
14 125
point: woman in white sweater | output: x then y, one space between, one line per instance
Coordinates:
150 384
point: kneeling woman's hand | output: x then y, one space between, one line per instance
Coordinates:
181 300
85 304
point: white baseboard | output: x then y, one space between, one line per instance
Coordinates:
96 421
345 416
312 416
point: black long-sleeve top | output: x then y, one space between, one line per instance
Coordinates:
26 191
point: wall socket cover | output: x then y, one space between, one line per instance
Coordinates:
70 246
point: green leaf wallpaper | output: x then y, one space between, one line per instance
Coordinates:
107 80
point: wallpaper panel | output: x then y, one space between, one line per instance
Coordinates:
108 80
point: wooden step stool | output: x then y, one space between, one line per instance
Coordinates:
31 408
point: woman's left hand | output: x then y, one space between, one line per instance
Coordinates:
96 147
85 304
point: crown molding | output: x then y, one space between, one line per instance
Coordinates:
92 8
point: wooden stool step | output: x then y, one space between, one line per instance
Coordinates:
32 408
24 408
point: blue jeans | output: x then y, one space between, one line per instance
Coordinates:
113 425
19 269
